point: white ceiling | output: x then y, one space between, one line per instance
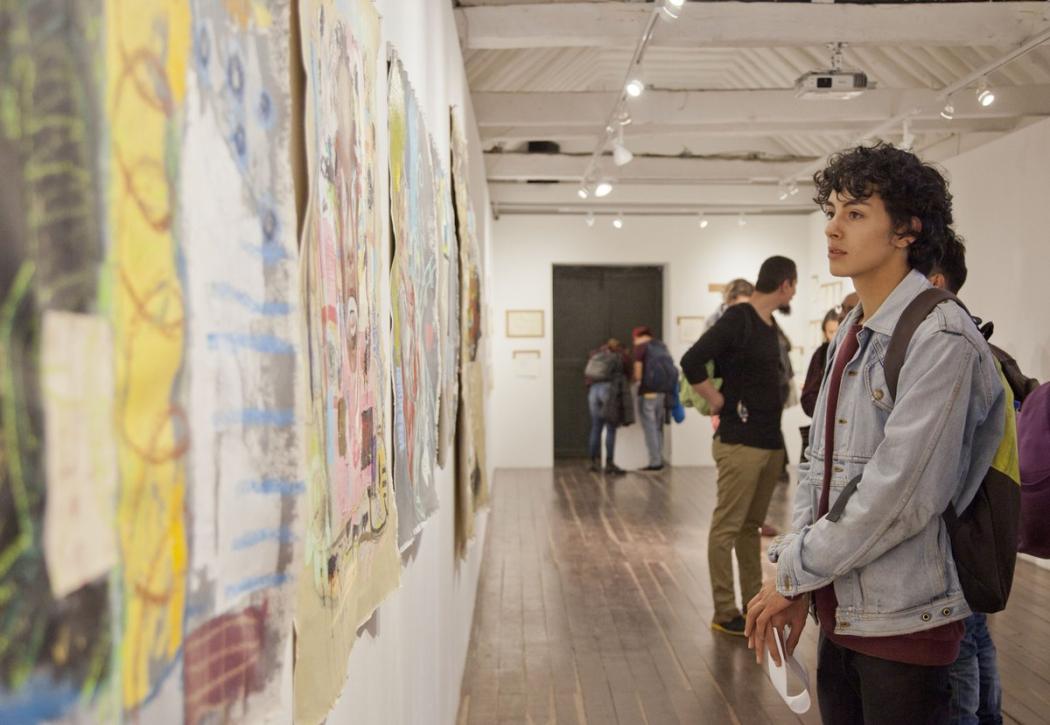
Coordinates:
719 117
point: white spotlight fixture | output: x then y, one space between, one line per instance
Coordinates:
589 219
618 221
635 87
702 220
784 193
582 192
604 188
948 112
621 154
985 96
793 189
741 221
624 117
671 9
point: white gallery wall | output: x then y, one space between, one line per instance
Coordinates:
407 664
1001 195
525 250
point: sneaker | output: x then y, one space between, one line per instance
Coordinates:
613 470
734 626
767 530
653 468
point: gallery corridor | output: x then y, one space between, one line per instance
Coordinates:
594 604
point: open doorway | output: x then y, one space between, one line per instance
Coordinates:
592 304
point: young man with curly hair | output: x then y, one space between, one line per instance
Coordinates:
880 573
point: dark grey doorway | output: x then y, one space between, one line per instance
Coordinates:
592 304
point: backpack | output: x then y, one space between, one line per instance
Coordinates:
984 535
602 366
659 373
692 399
1033 448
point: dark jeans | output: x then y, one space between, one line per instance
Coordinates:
977 696
853 688
596 398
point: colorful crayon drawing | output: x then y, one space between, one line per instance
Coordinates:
414 300
448 312
472 490
351 554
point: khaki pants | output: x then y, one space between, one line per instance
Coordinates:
746 478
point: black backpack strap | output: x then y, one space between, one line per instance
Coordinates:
914 314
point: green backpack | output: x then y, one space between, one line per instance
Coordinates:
692 399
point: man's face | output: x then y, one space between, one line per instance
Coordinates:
860 235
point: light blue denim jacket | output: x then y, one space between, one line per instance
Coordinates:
889 555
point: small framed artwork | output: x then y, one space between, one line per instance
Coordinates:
526 363
524 323
690 328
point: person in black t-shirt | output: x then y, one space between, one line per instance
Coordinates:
749 446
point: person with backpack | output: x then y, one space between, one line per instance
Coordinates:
908 423
977 695
749 446
605 377
657 376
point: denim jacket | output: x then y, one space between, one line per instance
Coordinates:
889 555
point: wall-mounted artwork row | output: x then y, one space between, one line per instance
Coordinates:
218 424
351 556
471 473
151 483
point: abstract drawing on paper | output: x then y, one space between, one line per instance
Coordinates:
471 474
414 300
351 557
55 646
235 215
448 311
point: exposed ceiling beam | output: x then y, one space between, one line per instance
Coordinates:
727 109
707 196
758 24
745 133
562 167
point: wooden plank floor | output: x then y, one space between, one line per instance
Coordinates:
594 606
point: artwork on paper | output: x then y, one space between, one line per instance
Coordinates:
414 299
235 234
448 311
56 658
80 545
351 553
471 472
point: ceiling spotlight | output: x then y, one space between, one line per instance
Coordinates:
624 118
793 189
783 195
948 112
618 221
671 9
702 220
583 192
741 221
604 188
984 96
589 218
621 154
635 86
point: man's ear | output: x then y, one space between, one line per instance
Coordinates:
937 280
905 237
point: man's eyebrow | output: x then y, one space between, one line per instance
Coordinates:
856 202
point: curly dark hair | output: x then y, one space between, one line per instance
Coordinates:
908 188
